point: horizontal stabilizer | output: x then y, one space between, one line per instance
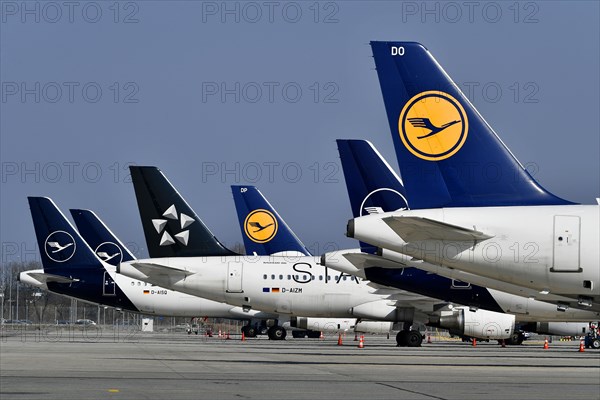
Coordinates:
415 229
46 278
154 269
364 260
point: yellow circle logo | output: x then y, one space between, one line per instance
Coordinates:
433 125
260 226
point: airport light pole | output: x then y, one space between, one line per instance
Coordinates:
36 296
17 308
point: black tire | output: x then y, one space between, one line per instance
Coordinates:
250 331
402 339
595 344
298 334
414 339
516 339
277 333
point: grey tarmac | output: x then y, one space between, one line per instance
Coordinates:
80 365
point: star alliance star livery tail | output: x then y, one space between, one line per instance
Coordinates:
171 227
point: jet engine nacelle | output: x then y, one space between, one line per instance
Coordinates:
558 328
323 324
381 310
373 327
480 324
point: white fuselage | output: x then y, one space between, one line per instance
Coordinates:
298 286
547 248
150 299
510 298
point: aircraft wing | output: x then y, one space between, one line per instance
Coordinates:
45 278
415 229
160 270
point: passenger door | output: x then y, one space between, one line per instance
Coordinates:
234 277
566 244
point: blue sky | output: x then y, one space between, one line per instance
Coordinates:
219 93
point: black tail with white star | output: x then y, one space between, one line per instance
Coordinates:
171 227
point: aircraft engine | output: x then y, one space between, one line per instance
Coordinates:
558 328
480 324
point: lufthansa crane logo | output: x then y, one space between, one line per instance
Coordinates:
110 253
260 226
433 125
60 246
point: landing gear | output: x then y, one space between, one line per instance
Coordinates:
299 334
249 331
515 339
276 333
409 339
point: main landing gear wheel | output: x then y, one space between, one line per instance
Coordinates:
401 338
249 331
414 339
409 339
515 339
276 333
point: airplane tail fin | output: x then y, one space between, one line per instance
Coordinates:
263 230
99 237
448 154
61 247
171 227
373 186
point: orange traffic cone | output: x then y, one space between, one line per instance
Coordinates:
243 336
340 340
361 342
474 342
220 333
428 338
227 336
581 347
321 336
546 344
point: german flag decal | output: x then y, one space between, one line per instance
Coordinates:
146 292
